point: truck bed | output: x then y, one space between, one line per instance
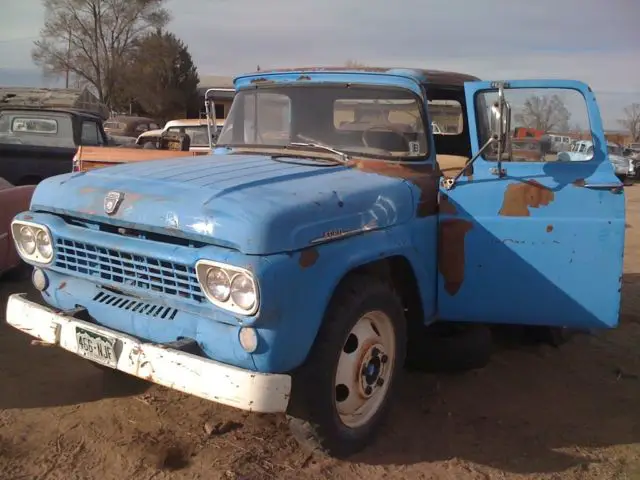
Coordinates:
88 158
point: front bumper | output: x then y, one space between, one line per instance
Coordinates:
172 368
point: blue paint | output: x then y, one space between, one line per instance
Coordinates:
262 215
518 272
290 205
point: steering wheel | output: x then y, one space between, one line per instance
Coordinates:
384 128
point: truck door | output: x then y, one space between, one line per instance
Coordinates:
542 243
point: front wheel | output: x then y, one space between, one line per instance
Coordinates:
341 394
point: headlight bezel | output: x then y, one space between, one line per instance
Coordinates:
202 269
36 228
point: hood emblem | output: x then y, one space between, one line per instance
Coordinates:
112 201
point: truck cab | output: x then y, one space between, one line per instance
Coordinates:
294 269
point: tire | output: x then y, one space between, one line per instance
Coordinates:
363 331
450 348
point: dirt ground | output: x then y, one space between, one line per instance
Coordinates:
534 412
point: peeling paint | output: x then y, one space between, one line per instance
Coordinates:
422 175
520 197
451 238
308 257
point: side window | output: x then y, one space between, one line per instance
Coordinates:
446 117
141 128
90 135
550 112
219 110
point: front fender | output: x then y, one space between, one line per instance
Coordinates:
309 280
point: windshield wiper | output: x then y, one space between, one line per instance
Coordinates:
344 158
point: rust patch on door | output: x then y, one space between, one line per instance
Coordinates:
451 236
549 228
520 197
308 257
423 176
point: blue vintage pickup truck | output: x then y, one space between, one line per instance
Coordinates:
294 269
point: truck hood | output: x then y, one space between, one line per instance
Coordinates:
251 203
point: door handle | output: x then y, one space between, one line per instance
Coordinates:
616 187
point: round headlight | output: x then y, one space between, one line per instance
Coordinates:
27 240
43 242
243 292
218 284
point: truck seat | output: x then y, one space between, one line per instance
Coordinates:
451 164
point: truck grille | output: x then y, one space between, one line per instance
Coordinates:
127 269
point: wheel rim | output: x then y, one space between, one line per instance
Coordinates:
365 368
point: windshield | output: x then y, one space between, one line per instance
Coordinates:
36 128
372 121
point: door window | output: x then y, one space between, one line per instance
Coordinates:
556 112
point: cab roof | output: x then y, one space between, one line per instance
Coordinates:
426 76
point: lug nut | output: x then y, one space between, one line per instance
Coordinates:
368 390
380 382
384 359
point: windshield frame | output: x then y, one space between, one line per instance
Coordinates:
317 153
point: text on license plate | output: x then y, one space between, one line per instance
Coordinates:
97 347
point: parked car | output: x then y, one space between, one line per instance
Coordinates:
13 200
128 125
37 143
624 167
195 128
298 266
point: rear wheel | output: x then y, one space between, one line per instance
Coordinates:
342 393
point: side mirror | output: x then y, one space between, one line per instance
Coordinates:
500 121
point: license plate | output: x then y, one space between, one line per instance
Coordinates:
97 347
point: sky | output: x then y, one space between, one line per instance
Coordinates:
596 41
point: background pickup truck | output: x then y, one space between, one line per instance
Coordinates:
37 143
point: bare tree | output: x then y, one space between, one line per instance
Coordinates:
631 121
546 113
354 64
93 38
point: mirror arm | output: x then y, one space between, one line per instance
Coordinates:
210 110
448 183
